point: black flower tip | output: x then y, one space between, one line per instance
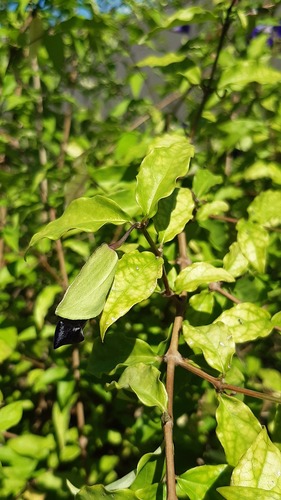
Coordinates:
69 331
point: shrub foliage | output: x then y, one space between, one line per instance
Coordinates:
140 163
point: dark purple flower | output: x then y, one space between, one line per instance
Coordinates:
185 29
273 32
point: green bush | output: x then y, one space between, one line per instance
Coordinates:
140 162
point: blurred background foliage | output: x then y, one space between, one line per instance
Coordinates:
85 87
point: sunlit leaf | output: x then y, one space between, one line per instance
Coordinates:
247 322
43 303
173 214
245 493
158 174
150 469
203 181
165 60
197 481
86 296
157 490
260 466
8 342
263 169
214 340
99 492
234 261
10 415
31 445
198 274
266 208
84 214
253 241
237 427
135 280
144 381
245 72
213 208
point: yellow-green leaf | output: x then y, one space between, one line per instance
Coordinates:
237 427
159 171
253 241
200 273
247 322
173 214
260 466
135 280
84 214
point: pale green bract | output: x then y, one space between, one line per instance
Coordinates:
85 297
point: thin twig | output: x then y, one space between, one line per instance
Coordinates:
157 252
215 287
221 386
208 88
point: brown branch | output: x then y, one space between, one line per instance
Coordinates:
221 386
172 359
215 287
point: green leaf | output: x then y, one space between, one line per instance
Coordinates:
31 445
55 49
253 241
144 381
260 466
197 481
214 340
86 296
241 493
135 280
70 452
203 181
245 72
10 415
43 302
261 169
8 342
60 420
213 208
194 14
150 469
247 322
154 61
118 350
99 492
200 273
158 173
276 319
157 490
266 208
234 261
237 428
49 376
173 214
84 214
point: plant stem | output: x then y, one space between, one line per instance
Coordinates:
172 359
221 386
208 88
157 252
